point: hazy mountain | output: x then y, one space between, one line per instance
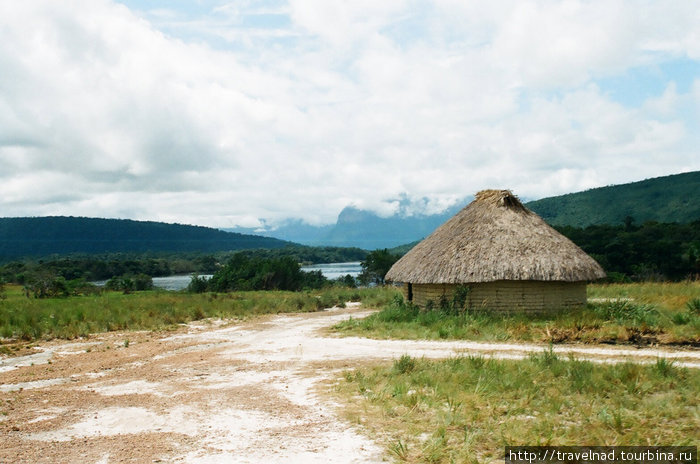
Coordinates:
293 230
665 199
361 228
673 198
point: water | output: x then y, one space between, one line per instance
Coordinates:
330 271
334 270
175 282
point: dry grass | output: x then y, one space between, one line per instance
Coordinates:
469 409
28 319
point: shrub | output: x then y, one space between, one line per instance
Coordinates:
347 281
460 299
128 283
197 284
694 306
245 273
545 358
626 311
404 364
398 311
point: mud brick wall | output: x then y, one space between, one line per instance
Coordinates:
507 295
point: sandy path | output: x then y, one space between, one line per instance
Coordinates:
213 393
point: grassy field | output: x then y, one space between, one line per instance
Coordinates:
644 313
466 410
28 319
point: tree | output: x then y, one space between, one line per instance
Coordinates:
347 281
245 273
197 284
376 265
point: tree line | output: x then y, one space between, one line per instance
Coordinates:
107 266
627 252
650 251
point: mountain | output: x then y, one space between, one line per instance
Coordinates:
292 230
673 198
360 228
41 236
664 199
365 229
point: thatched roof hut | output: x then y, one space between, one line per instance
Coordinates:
508 256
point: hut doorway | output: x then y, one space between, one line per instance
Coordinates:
410 292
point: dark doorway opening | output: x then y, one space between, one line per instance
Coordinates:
410 292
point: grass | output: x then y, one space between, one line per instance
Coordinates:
668 296
31 319
468 409
648 313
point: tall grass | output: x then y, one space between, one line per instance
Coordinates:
468 409
629 313
30 318
670 296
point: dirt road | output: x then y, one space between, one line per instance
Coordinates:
213 393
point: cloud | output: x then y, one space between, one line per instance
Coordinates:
226 114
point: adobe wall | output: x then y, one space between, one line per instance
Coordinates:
507 295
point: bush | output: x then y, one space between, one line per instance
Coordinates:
404 364
245 273
694 306
398 311
626 311
347 281
129 283
376 265
197 284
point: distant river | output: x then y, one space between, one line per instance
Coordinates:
334 270
175 282
330 271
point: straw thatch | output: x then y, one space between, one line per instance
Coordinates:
494 238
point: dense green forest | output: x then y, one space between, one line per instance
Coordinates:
668 199
42 236
107 266
651 251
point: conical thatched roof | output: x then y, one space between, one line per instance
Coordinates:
494 238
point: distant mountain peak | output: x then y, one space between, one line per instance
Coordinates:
352 215
670 199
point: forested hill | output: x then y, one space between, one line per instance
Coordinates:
673 198
41 236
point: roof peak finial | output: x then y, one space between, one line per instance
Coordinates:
502 198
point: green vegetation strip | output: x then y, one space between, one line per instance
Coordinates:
78 316
468 409
641 314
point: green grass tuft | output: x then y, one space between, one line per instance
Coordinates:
404 364
467 409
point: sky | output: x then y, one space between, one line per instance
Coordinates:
238 113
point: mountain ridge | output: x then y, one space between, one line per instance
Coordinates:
672 198
42 236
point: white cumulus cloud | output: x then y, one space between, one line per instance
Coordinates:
231 113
